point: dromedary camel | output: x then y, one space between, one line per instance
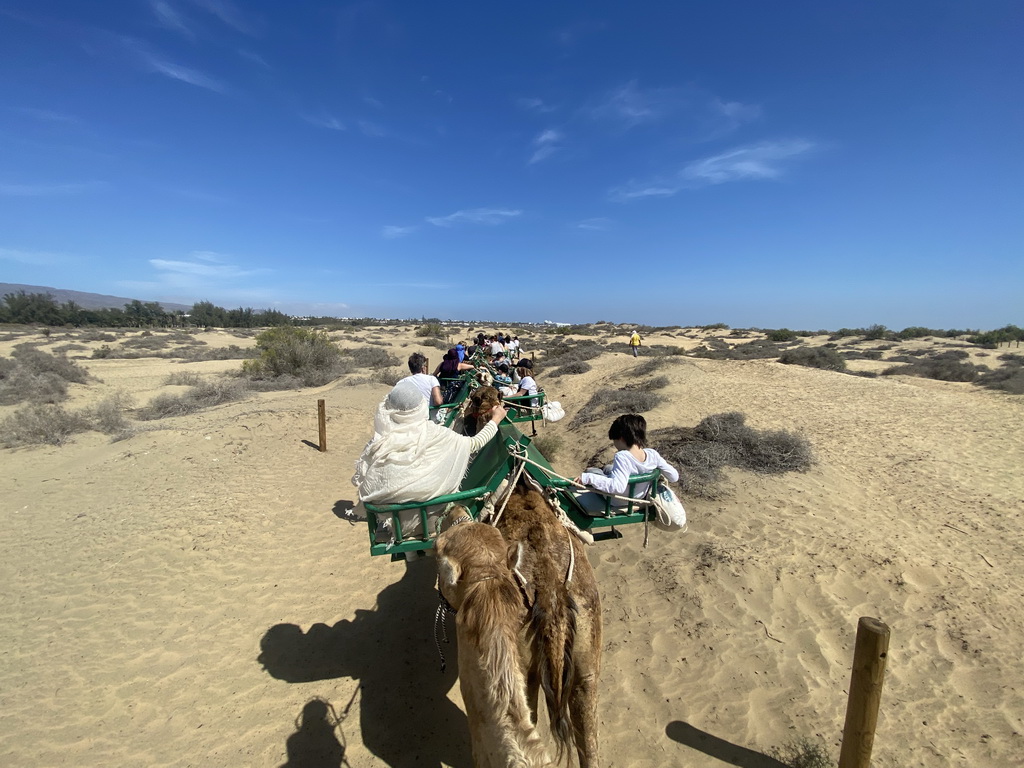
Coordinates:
555 615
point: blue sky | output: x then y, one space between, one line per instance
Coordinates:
800 164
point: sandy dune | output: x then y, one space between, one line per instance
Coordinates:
185 596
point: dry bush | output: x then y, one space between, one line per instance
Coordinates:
34 376
96 336
147 342
230 352
616 401
1008 378
803 753
38 361
724 440
370 357
108 415
943 369
571 369
204 395
548 443
41 425
183 379
759 349
563 351
814 357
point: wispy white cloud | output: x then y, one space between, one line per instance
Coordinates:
545 145
629 105
203 266
371 129
45 190
376 104
393 232
693 112
766 160
488 216
324 121
229 14
154 62
46 115
254 57
535 105
170 18
204 274
598 223
34 258
760 161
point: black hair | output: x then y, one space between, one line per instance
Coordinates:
630 428
416 362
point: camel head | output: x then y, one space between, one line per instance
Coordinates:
468 553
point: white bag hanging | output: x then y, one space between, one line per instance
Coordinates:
671 515
552 411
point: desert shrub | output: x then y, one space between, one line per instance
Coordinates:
759 349
951 354
991 339
97 336
307 354
803 753
725 440
102 352
206 394
38 361
875 332
571 369
782 334
371 357
431 329
435 343
41 425
649 385
564 351
147 342
183 379
108 415
843 333
230 352
714 327
1008 378
548 443
814 357
607 402
941 370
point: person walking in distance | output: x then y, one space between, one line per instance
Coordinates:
634 342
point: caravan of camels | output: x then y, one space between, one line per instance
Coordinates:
508 534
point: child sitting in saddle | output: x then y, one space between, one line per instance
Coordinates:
628 434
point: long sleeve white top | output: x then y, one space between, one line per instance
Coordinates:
624 465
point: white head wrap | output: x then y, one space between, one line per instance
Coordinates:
409 458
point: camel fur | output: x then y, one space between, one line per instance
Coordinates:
555 610
475 578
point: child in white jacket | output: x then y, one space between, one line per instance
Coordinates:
628 434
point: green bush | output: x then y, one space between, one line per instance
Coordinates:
307 354
814 357
108 415
991 339
371 357
431 329
782 334
38 361
1009 378
571 369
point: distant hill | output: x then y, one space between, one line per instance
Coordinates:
82 299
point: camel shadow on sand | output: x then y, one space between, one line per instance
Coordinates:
404 713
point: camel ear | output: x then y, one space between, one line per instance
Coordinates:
448 572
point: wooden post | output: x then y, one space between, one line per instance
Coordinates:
321 412
869 659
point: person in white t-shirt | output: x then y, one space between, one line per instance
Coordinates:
527 384
628 434
427 384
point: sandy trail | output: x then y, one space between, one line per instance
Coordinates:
181 597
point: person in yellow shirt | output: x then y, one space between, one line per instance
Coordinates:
634 342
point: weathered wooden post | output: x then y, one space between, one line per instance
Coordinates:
869 657
321 412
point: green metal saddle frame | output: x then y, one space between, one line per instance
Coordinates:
492 464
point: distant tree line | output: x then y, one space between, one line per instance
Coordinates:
43 309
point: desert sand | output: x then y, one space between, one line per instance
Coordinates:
194 595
